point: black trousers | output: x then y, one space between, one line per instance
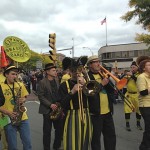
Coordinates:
47 126
103 124
145 144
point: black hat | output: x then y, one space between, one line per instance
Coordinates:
73 64
49 66
134 63
10 67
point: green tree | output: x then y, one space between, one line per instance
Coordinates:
140 10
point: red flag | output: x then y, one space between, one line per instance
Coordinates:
4 61
103 21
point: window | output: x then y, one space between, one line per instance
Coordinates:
108 55
140 52
124 54
117 54
131 53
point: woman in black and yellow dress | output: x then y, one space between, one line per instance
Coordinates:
77 129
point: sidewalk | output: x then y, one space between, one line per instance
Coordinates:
32 97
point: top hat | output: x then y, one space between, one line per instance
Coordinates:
9 68
49 66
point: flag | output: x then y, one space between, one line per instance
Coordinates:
103 21
4 61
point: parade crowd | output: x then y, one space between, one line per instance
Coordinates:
77 102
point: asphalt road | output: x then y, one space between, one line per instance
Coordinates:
125 140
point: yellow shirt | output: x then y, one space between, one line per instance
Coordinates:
2 78
104 105
65 77
131 85
9 100
143 83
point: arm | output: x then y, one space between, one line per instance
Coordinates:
41 94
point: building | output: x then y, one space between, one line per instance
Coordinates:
122 55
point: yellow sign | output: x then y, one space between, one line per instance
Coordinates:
16 49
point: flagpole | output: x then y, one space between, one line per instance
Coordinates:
106 31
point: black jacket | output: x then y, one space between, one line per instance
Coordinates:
94 101
45 95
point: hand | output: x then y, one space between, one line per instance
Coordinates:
129 73
81 80
22 100
76 88
105 81
53 106
12 114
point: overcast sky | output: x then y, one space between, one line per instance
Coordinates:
33 20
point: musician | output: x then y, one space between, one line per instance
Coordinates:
48 95
9 90
101 108
132 95
77 129
143 84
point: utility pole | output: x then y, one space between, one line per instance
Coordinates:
73 48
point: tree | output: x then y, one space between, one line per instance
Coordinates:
141 10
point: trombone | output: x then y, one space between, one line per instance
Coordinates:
120 84
80 98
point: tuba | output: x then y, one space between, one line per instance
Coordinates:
19 108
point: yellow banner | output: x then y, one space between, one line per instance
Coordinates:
16 49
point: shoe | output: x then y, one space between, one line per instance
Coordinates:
139 127
128 128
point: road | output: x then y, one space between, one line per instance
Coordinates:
125 140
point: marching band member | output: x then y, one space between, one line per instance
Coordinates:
12 95
143 84
48 96
101 108
132 95
77 129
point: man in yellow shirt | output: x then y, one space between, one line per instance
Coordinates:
101 108
12 97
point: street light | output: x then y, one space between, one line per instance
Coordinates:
89 49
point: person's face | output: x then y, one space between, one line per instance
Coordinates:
95 66
147 67
11 76
52 72
134 69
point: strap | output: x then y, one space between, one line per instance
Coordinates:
71 104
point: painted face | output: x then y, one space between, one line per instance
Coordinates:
11 76
147 67
52 72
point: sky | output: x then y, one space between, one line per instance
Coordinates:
76 23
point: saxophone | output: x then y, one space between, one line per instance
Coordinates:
19 108
55 114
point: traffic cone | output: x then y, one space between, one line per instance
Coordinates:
4 61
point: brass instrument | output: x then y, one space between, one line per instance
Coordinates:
91 87
81 108
55 114
19 108
120 83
